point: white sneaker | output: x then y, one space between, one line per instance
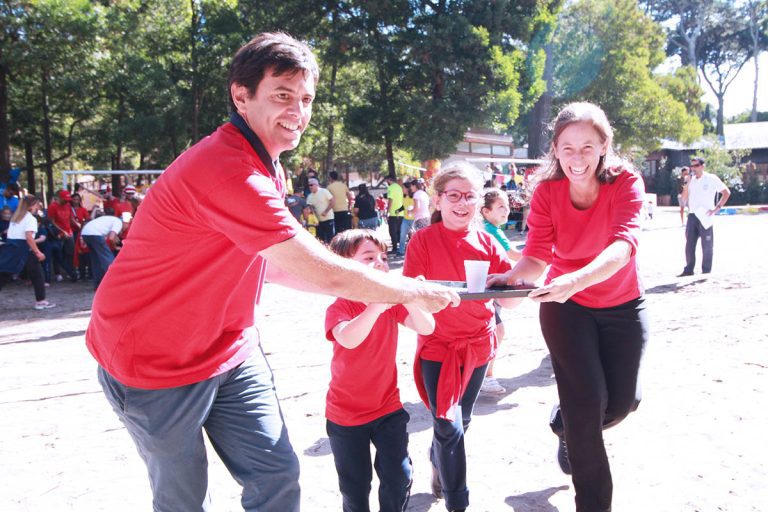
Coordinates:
492 387
44 304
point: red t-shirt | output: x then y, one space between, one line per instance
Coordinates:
61 214
81 215
177 305
363 379
464 335
570 238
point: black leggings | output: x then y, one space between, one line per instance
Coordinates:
596 355
35 273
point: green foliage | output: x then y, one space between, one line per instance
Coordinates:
725 164
51 64
745 117
605 53
684 87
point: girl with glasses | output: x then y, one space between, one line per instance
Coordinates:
450 363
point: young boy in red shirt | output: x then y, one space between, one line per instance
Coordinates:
363 403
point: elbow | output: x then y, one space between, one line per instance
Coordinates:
426 330
348 344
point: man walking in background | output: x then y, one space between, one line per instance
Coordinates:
701 197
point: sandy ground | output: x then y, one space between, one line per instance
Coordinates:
697 443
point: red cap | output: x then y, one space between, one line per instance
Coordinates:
65 195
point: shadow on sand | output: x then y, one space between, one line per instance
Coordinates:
675 287
537 501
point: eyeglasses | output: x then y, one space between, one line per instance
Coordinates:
454 196
693 166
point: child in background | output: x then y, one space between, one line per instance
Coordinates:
450 363
495 212
363 403
406 226
309 220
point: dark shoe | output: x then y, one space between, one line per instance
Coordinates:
562 455
685 274
437 486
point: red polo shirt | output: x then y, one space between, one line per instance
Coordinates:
177 305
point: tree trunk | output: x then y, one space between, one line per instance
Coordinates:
753 117
390 157
5 138
541 112
331 128
720 116
195 85
117 156
29 156
47 142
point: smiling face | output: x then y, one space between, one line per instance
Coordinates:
498 213
279 110
458 216
578 149
371 255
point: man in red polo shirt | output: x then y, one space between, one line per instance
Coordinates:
181 354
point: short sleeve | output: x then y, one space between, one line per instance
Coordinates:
340 311
30 223
117 225
541 230
416 256
250 211
499 259
627 209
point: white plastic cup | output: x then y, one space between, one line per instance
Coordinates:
477 273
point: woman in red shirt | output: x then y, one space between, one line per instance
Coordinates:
584 223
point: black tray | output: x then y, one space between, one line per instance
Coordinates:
497 292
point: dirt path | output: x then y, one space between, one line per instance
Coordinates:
697 443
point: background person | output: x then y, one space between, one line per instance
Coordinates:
183 356
584 223
96 233
61 216
701 197
394 211
407 223
9 197
494 210
322 202
421 211
342 217
682 188
365 208
21 251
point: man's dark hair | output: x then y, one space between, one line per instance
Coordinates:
13 187
698 159
109 211
334 175
275 51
